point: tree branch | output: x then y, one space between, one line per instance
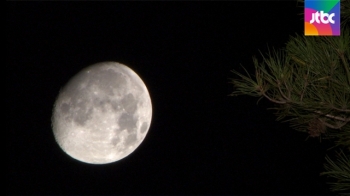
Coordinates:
273 100
340 110
333 126
283 95
334 117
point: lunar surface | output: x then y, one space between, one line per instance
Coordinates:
102 114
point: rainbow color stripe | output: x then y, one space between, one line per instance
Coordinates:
313 25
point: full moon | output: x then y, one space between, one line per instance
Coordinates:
102 114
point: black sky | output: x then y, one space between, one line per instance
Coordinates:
201 141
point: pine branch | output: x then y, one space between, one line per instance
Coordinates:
302 78
340 170
309 82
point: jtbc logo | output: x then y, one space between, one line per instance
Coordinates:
316 16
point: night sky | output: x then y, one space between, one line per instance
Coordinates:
201 141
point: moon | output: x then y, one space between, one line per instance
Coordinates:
102 114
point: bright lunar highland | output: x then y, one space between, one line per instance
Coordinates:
102 114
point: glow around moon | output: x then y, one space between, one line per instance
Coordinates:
102 114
